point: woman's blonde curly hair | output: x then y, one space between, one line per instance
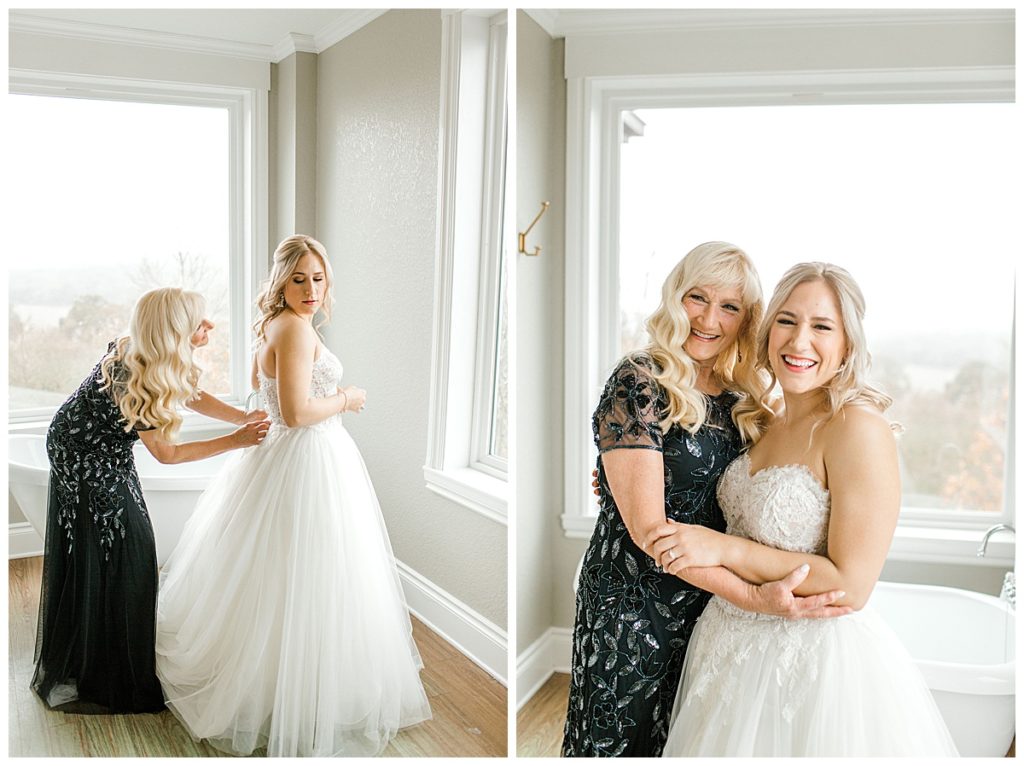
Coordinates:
849 385
722 266
270 302
158 372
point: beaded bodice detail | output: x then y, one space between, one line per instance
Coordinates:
783 507
327 371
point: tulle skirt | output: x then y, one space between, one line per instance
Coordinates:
763 686
281 620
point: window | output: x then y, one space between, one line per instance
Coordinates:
910 200
123 189
467 454
915 206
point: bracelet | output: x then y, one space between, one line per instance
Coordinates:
345 408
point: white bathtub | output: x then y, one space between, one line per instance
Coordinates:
963 642
171 491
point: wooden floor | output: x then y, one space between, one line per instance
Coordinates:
539 723
470 710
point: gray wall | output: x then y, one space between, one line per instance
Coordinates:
544 557
378 100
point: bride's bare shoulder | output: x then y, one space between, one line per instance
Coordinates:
287 329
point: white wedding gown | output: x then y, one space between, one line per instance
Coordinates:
756 685
281 620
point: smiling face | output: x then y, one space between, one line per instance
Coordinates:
807 342
304 291
202 335
716 316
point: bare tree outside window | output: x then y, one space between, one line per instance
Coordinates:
114 198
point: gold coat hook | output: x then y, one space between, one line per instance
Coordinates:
522 234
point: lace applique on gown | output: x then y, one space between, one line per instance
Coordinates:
758 685
282 622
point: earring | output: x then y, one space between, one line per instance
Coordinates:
280 301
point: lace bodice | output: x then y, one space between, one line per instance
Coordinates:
327 371
781 506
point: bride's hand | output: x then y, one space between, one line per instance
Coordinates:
777 598
355 399
675 546
250 434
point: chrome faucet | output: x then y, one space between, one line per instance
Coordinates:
991 531
1009 591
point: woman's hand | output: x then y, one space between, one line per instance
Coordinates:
354 399
675 546
250 434
595 483
252 417
777 598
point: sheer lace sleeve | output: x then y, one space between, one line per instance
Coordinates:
630 408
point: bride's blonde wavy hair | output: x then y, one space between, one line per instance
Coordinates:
157 358
849 385
722 266
270 302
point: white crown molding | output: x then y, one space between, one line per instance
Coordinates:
547 19
80 30
293 43
347 24
565 24
351 22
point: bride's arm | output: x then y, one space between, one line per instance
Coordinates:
296 346
863 477
636 480
775 598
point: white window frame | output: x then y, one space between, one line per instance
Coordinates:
247 217
595 110
471 186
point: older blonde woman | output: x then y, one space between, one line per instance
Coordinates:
282 621
97 614
665 430
818 489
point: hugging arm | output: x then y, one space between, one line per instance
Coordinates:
863 477
636 481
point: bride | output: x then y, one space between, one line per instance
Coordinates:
281 620
821 488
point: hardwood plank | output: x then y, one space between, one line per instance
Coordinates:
541 720
470 708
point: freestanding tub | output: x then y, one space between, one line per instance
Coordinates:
171 491
963 642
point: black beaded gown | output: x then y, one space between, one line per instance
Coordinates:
632 620
97 615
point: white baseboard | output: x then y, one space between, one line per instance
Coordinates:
23 541
551 653
476 637
473 635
